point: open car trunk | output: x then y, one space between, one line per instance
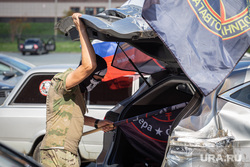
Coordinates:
142 142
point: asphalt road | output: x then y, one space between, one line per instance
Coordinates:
45 59
50 58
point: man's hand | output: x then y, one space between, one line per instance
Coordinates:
106 125
77 21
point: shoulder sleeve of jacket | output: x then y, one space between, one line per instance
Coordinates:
59 82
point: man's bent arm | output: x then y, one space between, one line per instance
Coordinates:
101 123
88 56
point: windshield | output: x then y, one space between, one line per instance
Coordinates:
16 64
31 42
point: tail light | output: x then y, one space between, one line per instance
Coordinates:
35 46
21 46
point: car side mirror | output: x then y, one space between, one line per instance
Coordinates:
9 74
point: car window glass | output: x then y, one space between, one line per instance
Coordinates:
34 90
242 95
16 64
141 81
4 67
111 92
32 42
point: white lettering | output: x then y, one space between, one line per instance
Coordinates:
220 158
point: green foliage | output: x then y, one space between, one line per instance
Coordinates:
17 26
39 29
4 28
68 13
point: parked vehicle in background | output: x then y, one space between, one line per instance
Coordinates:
36 46
10 157
23 114
12 69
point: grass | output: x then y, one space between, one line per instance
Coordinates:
68 46
61 46
8 47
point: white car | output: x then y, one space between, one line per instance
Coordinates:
23 114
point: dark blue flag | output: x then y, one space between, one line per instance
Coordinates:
207 37
148 133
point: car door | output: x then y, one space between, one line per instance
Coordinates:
50 45
23 119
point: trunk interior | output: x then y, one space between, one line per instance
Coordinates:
168 92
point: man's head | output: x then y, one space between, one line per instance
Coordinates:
95 77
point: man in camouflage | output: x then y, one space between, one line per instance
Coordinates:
66 106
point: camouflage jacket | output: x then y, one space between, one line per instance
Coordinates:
65 115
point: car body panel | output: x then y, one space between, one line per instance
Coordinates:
4 91
119 17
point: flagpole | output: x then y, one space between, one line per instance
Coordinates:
135 118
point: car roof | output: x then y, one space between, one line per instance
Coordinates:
52 68
34 39
11 62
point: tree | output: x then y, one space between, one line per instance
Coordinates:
16 27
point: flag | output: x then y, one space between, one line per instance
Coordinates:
206 37
148 133
107 50
143 62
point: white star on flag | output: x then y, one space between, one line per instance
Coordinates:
158 131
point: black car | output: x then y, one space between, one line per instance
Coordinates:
36 46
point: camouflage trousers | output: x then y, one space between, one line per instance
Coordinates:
58 158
